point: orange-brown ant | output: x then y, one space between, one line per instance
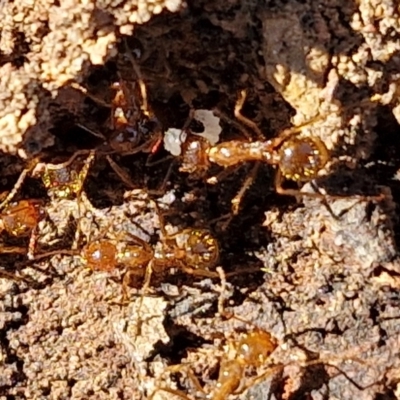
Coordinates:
252 350
192 250
62 181
244 355
297 159
21 219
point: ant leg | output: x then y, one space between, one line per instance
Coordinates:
164 234
234 123
294 130
200 272
38 257
85 170
32 243
80 197
237 112
84 91
190 375
221 298
127 281
121 173
162 188
279 179
91 131
225 172
252 382
296 192
9 275
238 198
246 185
67 163
12 249
31 166
142 86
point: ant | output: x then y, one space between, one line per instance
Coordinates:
242 356
252 350
192 250
298 159
134 128
62 181
65 180
20 219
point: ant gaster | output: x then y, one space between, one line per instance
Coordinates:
21 219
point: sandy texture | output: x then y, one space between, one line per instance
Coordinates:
320 274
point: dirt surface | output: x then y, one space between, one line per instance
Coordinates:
322 275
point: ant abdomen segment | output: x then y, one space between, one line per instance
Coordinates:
255 347
100 255
300 159
21 218
194 248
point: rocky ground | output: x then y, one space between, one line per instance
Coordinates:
320 274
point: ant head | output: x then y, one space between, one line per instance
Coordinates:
194 155
100 255
256 347
302 158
